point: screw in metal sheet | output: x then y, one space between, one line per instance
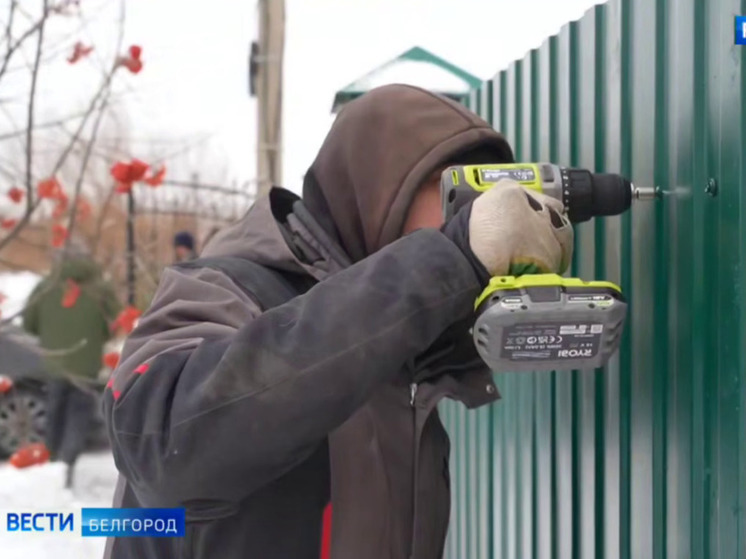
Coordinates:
712 187
490 388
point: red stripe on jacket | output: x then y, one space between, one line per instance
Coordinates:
326 533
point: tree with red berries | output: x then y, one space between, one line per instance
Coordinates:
69 171
54 174
68 166
52 183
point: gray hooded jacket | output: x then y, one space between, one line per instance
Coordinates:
255 419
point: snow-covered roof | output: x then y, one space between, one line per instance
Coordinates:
414 67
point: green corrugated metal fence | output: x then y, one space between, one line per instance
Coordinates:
646 458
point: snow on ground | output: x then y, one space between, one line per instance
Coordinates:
41 489
16 287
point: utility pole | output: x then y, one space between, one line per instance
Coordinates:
266 85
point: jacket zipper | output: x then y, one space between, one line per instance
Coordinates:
412 402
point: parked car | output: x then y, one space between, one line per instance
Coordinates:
23 408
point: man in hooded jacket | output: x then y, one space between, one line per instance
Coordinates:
256 420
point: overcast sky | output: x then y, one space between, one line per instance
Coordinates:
194 84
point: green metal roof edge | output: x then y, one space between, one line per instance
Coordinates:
420 55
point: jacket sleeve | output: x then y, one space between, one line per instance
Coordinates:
214 400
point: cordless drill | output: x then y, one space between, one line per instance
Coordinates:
529 321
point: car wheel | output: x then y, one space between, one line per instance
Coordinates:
23 414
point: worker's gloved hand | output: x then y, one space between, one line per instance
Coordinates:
513 226
510 226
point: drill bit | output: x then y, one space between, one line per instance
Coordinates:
644 193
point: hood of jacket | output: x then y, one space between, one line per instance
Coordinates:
80 270
379 151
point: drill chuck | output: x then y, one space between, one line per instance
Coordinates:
588 195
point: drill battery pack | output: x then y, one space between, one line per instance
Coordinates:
546 322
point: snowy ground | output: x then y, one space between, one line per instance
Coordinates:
40 489
15 287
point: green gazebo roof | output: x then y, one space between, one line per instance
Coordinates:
417 67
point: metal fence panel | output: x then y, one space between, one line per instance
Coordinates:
647 457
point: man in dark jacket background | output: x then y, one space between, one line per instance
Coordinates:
184 248
70 312
256 418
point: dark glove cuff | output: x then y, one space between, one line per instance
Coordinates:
457 230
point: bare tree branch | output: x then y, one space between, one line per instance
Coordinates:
66 152
102 219
51 124
12 48
9 170
13 123
31 103
54 50
9 27
29 17
94 133
54 123
89 112
83 167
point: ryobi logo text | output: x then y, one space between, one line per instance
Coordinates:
575 353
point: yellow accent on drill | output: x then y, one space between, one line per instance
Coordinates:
472 171
503 283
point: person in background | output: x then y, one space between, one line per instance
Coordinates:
70 312
184 247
